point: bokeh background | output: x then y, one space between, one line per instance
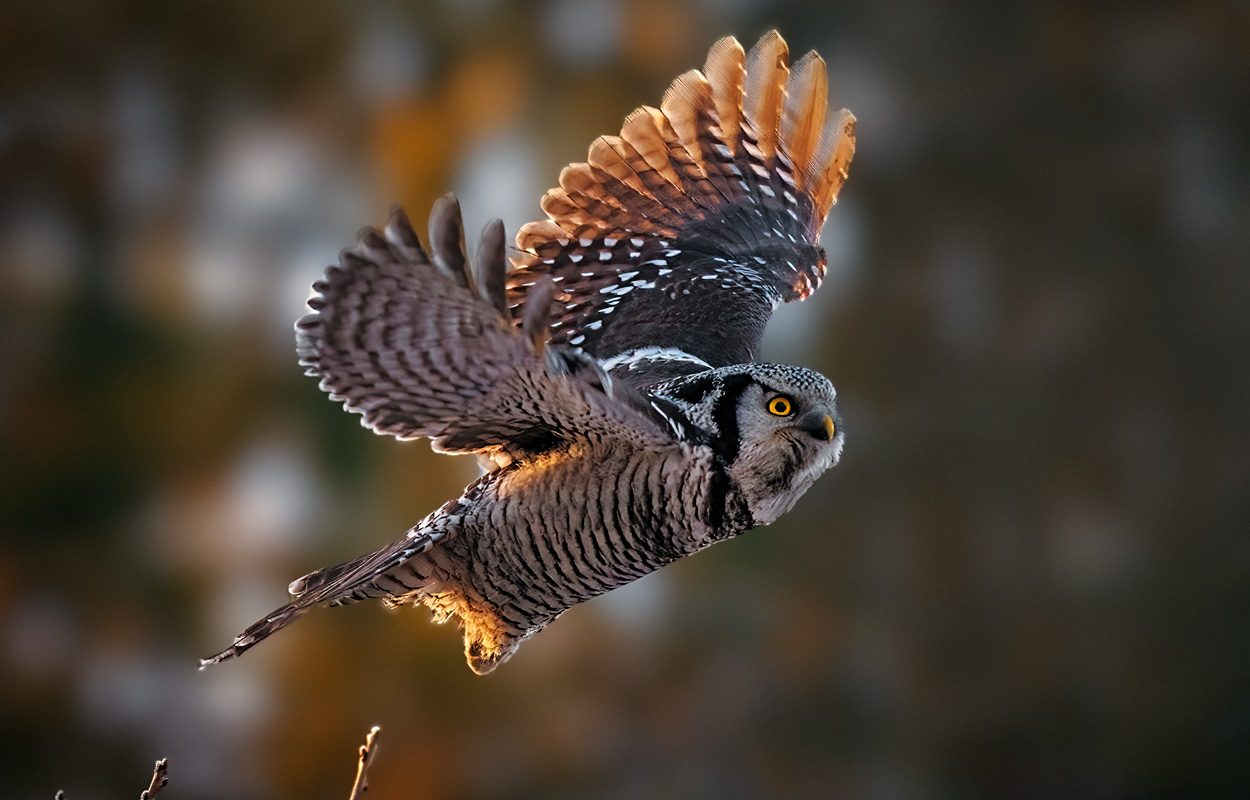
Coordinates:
1030 576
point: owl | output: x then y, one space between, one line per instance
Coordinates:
607 381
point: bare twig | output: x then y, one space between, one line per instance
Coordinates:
367 751
159 779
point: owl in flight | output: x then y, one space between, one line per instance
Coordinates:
607 381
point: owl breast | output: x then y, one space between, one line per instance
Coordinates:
541 536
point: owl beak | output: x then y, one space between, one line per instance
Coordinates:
820 425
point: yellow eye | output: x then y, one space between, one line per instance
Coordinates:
780 406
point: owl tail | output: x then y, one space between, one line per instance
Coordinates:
338 585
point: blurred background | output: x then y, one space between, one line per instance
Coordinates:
1030 576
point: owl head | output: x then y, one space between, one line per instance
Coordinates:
774 427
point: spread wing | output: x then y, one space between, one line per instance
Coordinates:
424 346
689 228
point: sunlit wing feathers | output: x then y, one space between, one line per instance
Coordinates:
423 346
686 230
764 93
803 122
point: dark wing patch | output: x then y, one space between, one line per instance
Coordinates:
687 229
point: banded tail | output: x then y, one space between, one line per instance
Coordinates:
338 585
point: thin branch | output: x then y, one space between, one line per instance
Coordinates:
367 752
159 779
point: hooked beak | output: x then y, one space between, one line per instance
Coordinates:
819 424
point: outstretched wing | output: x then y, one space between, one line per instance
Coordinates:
688 229
423 346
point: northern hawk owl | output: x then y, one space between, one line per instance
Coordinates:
606 381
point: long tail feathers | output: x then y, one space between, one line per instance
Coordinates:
258 632
334 585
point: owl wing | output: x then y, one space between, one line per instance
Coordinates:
674 242
423 346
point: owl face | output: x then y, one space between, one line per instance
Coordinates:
789 433
774 426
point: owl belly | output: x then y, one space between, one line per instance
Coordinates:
560 530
